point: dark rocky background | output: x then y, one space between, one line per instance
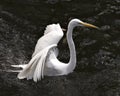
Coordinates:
97 72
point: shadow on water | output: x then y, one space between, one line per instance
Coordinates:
98 51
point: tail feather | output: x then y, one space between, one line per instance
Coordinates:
43 65
35 68
28 71
19 66
39 71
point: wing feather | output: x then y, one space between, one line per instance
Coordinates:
52 35
35 68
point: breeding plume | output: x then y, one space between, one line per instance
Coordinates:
44 59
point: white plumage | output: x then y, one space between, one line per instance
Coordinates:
52 35
44 59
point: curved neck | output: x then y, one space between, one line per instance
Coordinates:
72 61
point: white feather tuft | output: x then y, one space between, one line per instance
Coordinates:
52 27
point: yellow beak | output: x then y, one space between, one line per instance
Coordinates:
89 25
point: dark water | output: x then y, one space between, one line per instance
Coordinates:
98 51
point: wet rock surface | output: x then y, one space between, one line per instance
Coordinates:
98 51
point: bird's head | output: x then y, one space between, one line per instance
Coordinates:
77 22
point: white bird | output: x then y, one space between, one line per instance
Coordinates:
44 59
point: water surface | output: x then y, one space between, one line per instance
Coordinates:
22 23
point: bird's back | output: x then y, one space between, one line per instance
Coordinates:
52 35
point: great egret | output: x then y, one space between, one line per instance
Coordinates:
44 59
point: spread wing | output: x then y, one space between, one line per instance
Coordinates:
35 68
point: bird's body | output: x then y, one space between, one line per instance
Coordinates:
44 59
